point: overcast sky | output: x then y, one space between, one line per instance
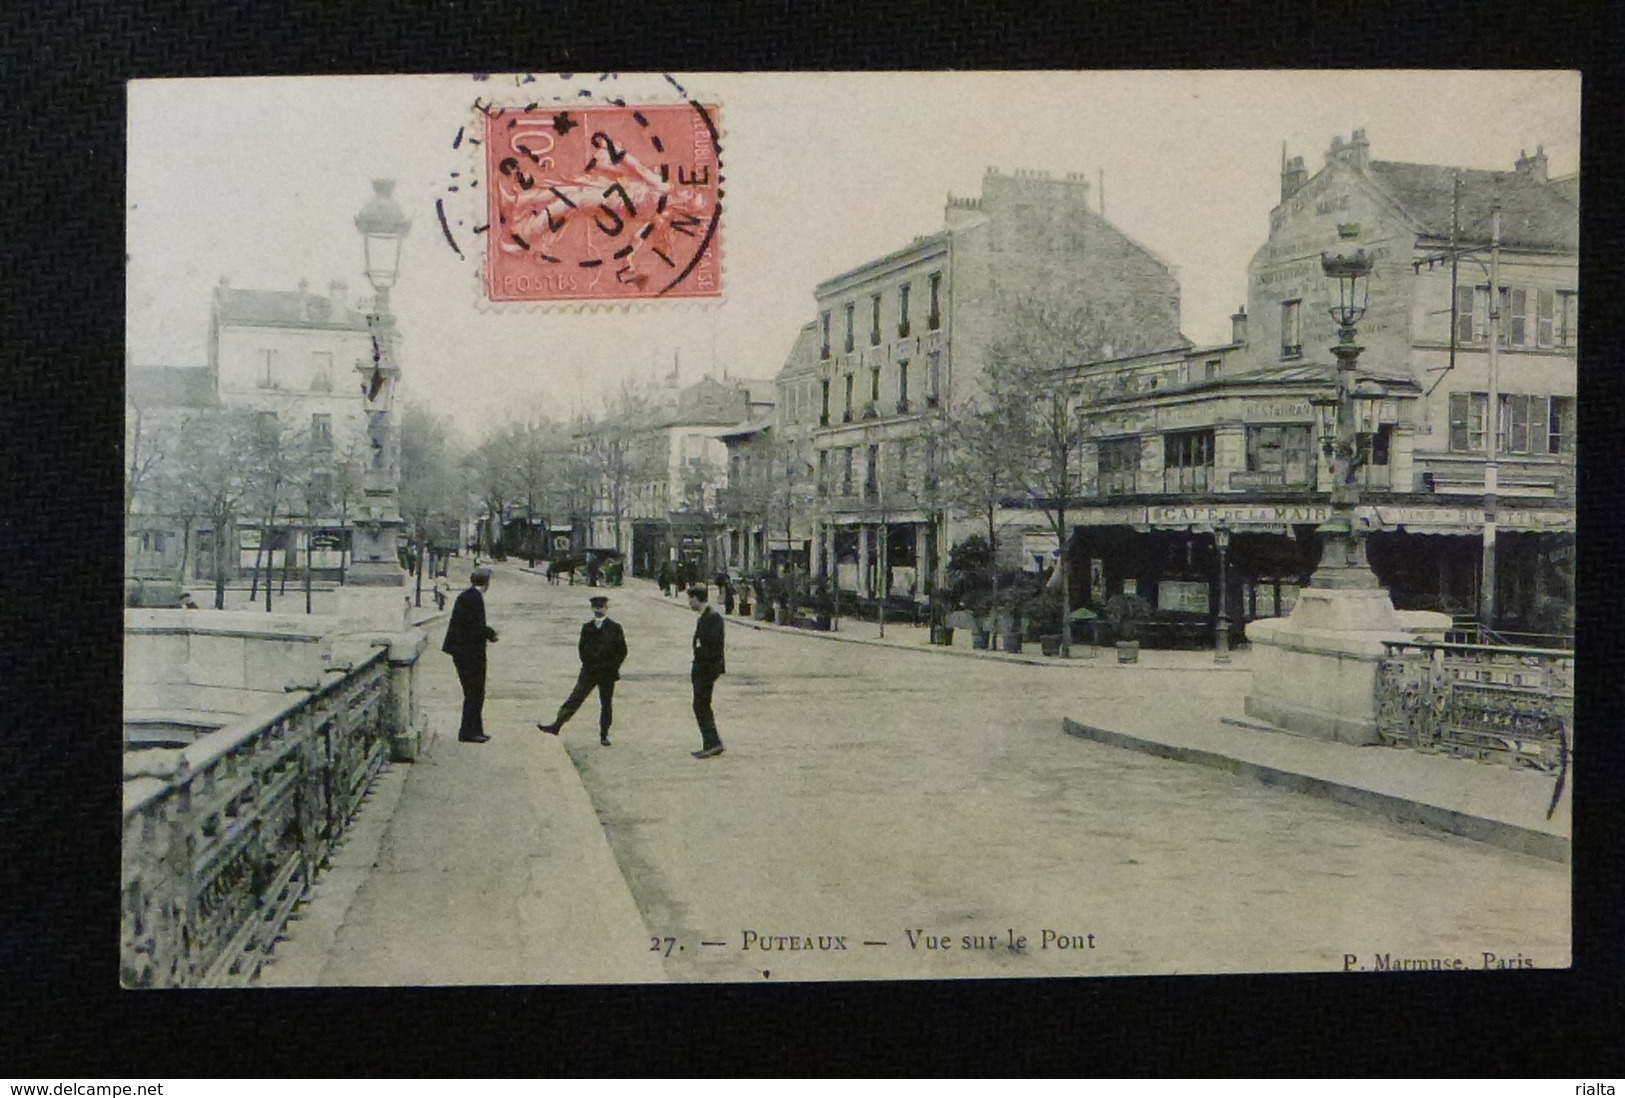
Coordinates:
258 180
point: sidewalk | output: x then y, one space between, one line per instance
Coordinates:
1485 802
906 636
476 864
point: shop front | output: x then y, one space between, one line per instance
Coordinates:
1429 557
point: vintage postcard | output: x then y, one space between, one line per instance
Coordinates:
722 527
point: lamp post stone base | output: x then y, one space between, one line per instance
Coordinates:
1315 671
374 573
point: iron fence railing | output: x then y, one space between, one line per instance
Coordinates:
1501 702
217 854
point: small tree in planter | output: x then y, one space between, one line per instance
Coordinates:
970 584
1043 613
1008 616
1127 614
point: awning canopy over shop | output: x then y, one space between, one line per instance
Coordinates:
1283 518
1469 521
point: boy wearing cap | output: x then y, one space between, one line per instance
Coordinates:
602 649
466 638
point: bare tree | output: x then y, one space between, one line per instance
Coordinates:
210 476
618 459
431 480
978 473
494 478
1039 334
282 461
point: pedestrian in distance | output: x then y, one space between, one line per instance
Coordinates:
466 638
602 649
663 577
709 665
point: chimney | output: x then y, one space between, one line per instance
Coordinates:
1293 176
1359 150
1238 326
338 291
1533 166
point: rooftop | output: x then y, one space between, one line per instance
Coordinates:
169 387
1534 213
286 308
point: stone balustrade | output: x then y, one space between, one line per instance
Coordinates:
224 837
1499 702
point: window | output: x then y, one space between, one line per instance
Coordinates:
1516 306
1560 426
849 311
901 457
846 417
267 379
846 471
1518 413
1279 454
933 390
1543 317
1468 412
933 319
1119 466
874 320
266 431
823 473
1536 424
1291 328
874 385
1375 447
871 473
321 490
321 374
1568 319
1468 324
1187 461
902 386
1210 369
823 410
823 319
321 431
902 309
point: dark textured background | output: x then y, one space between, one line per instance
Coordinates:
62 1014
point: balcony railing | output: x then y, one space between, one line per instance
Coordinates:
1481 701
218 853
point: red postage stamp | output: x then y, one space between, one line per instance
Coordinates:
616 203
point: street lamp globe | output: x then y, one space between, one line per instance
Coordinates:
383 225
1352 273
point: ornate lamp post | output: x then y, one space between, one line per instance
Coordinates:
1221 542
382 226
1343 561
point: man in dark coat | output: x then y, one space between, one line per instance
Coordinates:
709 666
466 638
602 649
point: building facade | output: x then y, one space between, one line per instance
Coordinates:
1178 442
303 365
903 340
659 469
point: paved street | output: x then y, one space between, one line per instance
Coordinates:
867 793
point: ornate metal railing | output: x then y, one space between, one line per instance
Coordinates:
1482 701
217 853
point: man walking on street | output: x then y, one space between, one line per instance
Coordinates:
466 638
602 649
708 667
